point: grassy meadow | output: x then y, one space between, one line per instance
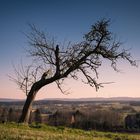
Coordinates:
12 131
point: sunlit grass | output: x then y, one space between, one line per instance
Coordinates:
44 132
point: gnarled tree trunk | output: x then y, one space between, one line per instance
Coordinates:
25 115
31 96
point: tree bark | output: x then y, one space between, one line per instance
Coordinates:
25 115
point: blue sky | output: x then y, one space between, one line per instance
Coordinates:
66 20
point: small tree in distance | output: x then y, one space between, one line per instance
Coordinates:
54 63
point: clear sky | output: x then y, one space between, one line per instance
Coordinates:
69 20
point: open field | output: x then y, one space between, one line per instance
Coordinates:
12 131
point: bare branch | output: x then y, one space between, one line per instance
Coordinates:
84 57
59 84
57 61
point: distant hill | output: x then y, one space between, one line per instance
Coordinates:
9 100
93 99
76 99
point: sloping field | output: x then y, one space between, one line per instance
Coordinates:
44 132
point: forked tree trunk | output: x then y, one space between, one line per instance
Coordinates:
25 115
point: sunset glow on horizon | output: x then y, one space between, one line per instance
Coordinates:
69 21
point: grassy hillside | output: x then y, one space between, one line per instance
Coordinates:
43 132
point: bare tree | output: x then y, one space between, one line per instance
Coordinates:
53 63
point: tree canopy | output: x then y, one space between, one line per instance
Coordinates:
54 63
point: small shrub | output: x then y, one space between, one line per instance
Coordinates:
119 137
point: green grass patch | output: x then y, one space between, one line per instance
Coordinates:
13 131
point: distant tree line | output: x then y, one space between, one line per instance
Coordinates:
101 120
12 115
106 120
132 122
9 115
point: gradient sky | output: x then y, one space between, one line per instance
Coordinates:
69 20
